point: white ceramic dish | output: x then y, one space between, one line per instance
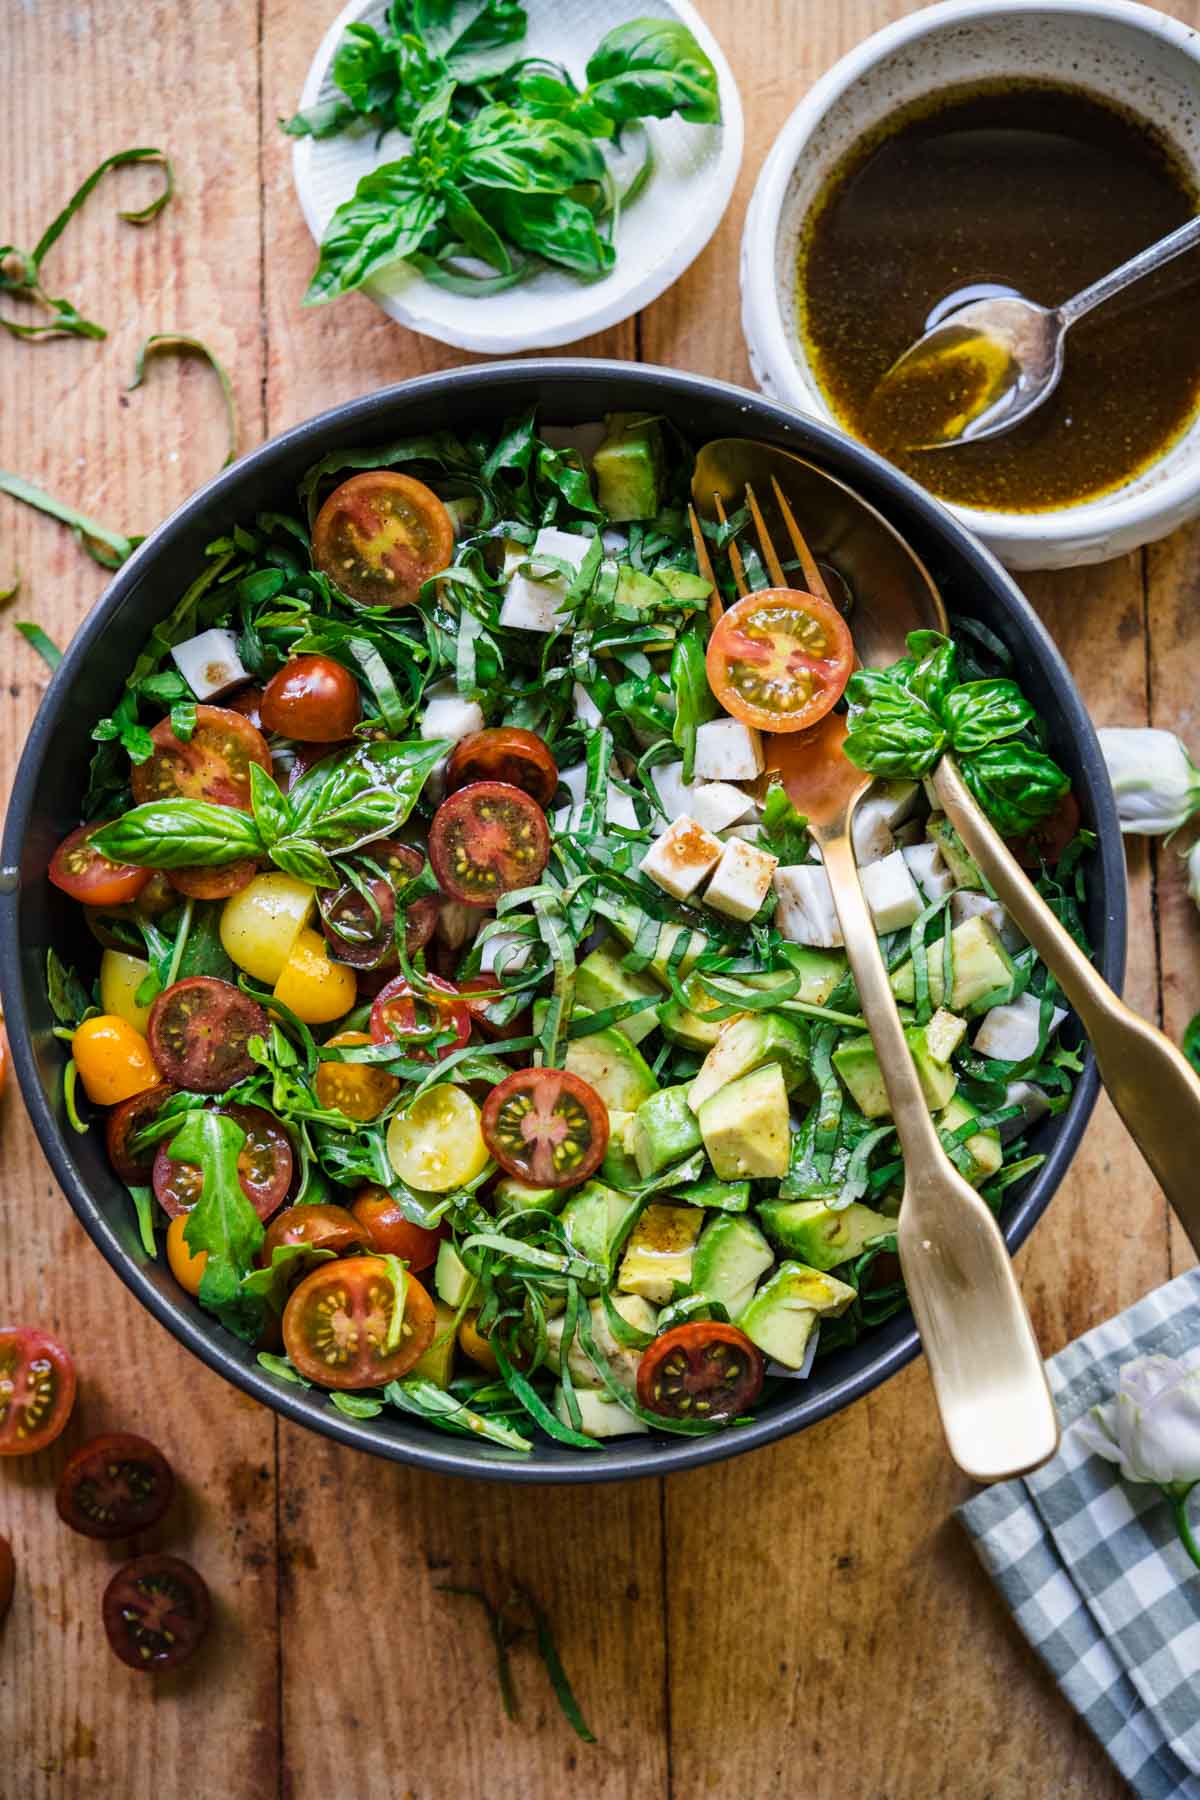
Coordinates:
658 236
1130 53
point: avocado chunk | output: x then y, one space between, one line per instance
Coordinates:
731 1255
958 860
452 1280
628 466
619 1168
858 1066
635 588
599 1417
681 584
819 972
608 1062
664 1131
660 1252
622 1361
784 1312
746 1043
944 1033
983 970
724 1196
437 1363
596 1220
691 1027
511 1195
745 1126
819 1236
601 982
625 921
978 1156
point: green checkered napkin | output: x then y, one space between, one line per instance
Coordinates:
1094 1572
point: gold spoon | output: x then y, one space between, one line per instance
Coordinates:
987 1370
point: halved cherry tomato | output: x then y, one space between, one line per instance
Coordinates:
156 1610
391 1233
380 536
1050 839
114 1061
248 702
8 1577
780 660
314 698
198 1033
265 1164
186 1265
114 1485
472 1343
486 840
123 1122
214 883
89 877
361 931
546 1127
37 1389
704 1371
481 991
321 1226
396 1012
214 763
504 753
337 1321
360 1090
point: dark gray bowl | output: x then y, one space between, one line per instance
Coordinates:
34 915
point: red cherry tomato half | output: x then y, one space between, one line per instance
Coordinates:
1053 834
89 877
380 536
214 763
546 1127
361 931
314 698
338 1319
214 883
123 1122
8 1577
156 1610
780 660
486 840
391 1234
704 1371
504 753
198 1033
321 1227
265 1165
397 1012
37 1389
114 1485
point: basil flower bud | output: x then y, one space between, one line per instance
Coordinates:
1154 779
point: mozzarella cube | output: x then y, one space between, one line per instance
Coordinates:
1009 1033
585 708
210 663
741 880
899 797
727 750
891 893
618 807
532 599
968 903
620 810
713 804
928 870
448 715
682 857
806 913
1033 1104
870 832
509 948
574 780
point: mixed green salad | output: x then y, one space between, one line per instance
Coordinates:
471 1013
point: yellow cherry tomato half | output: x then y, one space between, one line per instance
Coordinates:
472 1343
260 925
187 1266
317 990
113 1060
360 1090
437 1144
120 978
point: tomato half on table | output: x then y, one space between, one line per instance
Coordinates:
546 1126
123 1123
380 536
313 698
504 753
486 840
320 1226
198 1032
37 1389
265 1165
214 883
1051 836
213 764
89 877
397 1011
338 1320
156 1611
360 1090
114 1485
705 1371
780 660
391 1233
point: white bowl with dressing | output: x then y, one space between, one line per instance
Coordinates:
1127 53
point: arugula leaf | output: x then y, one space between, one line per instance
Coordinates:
650 68
69 999
179 342
223 1221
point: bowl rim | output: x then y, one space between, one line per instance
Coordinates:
772 342
366 415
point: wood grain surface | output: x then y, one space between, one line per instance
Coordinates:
807 1622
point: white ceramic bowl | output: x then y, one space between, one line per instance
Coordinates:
658 235
1130 53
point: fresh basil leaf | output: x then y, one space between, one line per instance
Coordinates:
1015 784
651 68
203 952
439 1408
356 1406
784 831
38 640
365 69
223 1222
550 97
282 1368
935 668
1191 1042
391 214
272 814
553 226
179 834
694 702
101 544
466 35
467 222
69 999
367 792
502 148
981 712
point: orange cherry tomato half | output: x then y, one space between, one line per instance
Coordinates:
780 660
338 1319
214 883
546 1127
486 840
391 1233
198 1032
37 1389
380 536
504 753
213 764
396 1012
114 1485
114 1061
314 698
89 877
186 1265
321 1227
704 1371
1047 843
156 1610
360 1090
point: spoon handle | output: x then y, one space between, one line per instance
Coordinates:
1165 251
1149 1081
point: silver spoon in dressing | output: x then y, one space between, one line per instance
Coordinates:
991 362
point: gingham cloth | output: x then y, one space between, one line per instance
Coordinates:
1094 1572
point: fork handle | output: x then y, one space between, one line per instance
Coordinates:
1149 1080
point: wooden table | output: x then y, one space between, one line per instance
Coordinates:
806 1622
